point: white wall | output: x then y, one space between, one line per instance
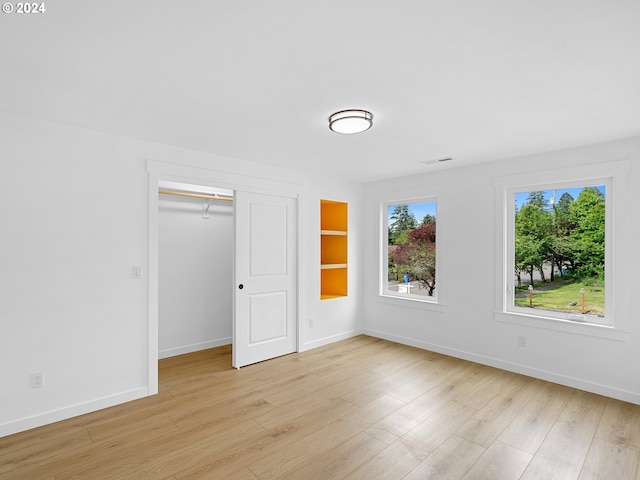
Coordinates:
195 289
465 324
74 207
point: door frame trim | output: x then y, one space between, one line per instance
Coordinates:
167 171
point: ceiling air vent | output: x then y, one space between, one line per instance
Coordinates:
437 160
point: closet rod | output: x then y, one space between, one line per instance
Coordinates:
198 195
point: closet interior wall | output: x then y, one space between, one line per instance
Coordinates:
195 289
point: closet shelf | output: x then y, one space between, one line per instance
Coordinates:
214 196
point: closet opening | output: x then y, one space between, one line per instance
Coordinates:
195 268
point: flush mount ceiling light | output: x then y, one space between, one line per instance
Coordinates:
350 121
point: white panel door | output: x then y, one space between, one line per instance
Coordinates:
265 314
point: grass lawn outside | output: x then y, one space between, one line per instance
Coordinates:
565 297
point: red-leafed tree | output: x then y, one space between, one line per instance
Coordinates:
418 255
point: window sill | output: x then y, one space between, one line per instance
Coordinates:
560 325
411 302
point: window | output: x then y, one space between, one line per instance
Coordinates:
609 181
556 251
409 250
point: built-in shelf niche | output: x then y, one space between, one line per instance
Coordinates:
333 249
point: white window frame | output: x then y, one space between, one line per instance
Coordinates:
384 292
510 255
612 176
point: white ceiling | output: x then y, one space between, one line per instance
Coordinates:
255 79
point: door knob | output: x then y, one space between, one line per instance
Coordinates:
241 286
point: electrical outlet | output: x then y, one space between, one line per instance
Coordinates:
310 322
522 341
37 380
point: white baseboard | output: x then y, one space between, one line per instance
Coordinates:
327 340
64 413
548 376
195 347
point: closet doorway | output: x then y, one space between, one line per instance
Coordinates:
195 267
232 279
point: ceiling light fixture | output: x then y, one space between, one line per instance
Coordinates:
350 121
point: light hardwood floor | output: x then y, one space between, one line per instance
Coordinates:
362 408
